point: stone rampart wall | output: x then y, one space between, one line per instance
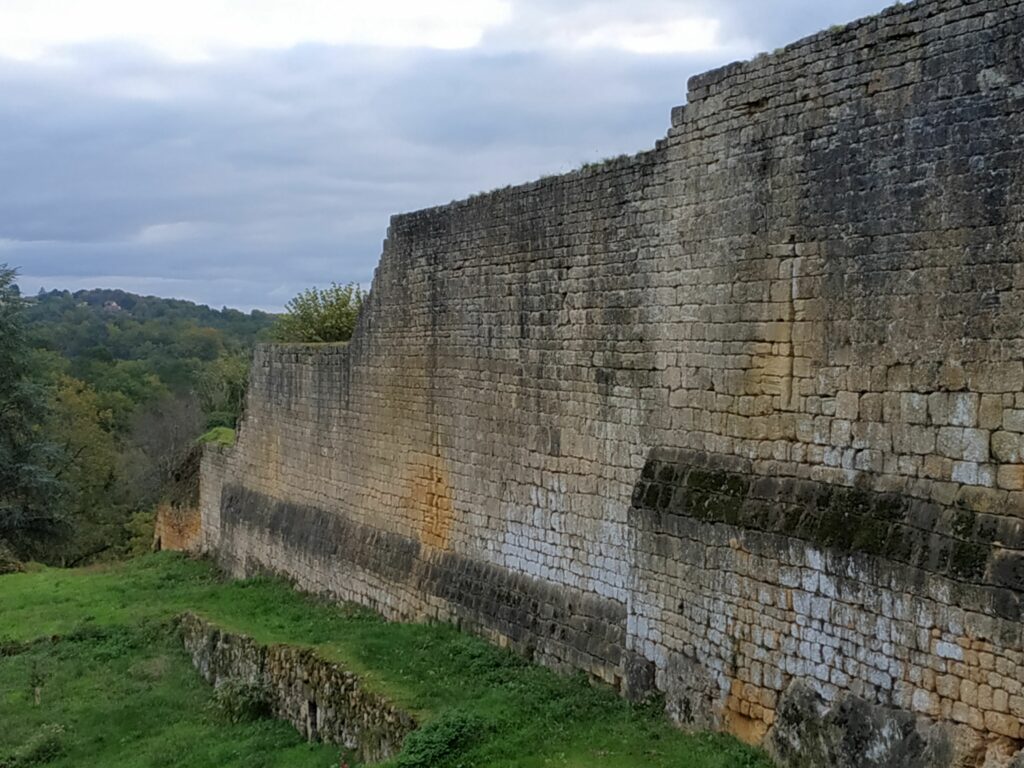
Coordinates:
739 413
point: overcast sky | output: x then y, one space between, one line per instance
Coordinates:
234 152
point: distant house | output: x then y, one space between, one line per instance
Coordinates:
112 306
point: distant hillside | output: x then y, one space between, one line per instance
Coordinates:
129 383
130 327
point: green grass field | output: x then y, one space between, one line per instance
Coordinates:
117 690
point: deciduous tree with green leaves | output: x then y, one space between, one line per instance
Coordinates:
321 314
82 427
31 495
221 387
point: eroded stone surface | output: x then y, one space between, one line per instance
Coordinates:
177 528
851 733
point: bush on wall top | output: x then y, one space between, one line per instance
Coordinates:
321 315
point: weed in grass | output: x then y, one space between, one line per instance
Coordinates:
442 741
40 748
36 678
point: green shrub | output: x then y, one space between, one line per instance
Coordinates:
102 642
321 315
218 436
139 530
242 702
221 420
42 747
441 740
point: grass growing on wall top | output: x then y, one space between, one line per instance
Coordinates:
218 436
121 688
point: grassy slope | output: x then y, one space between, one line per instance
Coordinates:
127 695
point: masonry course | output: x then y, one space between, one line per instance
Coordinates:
739 419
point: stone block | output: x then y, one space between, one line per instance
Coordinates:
996 377
952 376
950 442
847 406
1013 420
990 412
964 472
937 467
1010 477
963 409
914 408
975 445
840 435
938 408
1003 724
870 407
1006 447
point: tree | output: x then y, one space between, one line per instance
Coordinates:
221 387
321 315
116 393
31 495
162 435
82 426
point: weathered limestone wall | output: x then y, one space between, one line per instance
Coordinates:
741 412
322 700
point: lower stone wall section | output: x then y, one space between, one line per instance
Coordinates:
323 701
792 608
836 626
325 553
213 468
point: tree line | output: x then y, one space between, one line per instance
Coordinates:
104 392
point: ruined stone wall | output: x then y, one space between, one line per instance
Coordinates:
741 412
177 528
322 700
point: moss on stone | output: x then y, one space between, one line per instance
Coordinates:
962 524
871 536
967 560
844 520
834 530
651 495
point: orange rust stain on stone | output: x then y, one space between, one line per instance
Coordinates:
745 716
177 528
429 502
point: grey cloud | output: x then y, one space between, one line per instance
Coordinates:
245 179
746 26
